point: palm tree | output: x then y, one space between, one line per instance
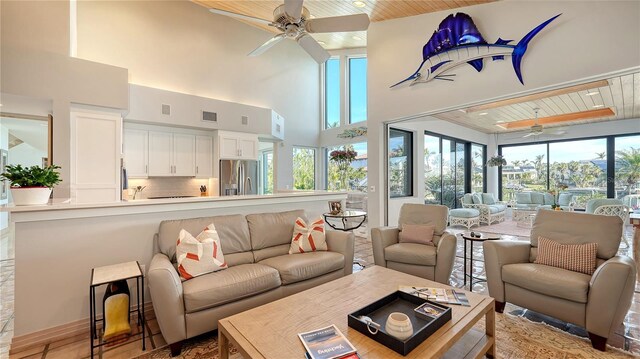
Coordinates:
538 167
601 155
628 167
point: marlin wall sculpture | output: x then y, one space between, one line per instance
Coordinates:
458 41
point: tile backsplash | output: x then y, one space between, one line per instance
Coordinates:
172 186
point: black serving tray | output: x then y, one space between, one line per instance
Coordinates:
405 303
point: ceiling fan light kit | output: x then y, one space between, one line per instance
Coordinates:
293 19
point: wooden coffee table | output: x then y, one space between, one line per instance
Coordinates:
271 330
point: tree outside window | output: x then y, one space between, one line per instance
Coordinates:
304 171
355 171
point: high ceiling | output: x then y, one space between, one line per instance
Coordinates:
616 98
378 10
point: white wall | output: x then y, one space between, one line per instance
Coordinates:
26 155
180 46
578 45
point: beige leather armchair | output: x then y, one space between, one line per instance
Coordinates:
596 302
430 262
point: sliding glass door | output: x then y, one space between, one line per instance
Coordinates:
451 166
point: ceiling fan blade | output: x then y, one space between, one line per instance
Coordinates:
267 45
359 22
293 8
529 134
242 17
313 48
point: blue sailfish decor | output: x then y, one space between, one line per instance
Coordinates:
458 41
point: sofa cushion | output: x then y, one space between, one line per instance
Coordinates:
308 237
477 198
232 230
467 198
523 197
574 257
548 199
199 255
592 204
271 233
537 198
526 206
464 213
551 281
303 266
487 198
564 199
497 208
217 288
411 253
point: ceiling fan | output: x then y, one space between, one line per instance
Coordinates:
537 130
293 20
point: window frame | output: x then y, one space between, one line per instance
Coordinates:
408 185
323 93
611 152
348 87
315 165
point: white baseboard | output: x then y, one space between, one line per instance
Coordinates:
60 332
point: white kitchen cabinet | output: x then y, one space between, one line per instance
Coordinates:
204 156
160 153
237 145
184 155
136 153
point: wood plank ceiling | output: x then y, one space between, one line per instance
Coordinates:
378 10
619 94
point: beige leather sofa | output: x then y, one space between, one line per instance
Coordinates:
260 271
431 262
596 302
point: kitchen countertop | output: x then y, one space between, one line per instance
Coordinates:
67 204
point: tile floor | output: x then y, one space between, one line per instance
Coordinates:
627 336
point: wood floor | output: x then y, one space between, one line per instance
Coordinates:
626 337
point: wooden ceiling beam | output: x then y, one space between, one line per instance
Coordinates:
568 117
539 96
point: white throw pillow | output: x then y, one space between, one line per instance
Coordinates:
200 255
308 238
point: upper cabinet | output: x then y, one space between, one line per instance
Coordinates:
204 156
172 154
237 146
136 153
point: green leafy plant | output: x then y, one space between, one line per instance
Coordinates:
33 176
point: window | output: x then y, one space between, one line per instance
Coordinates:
332 93
400 163
304 169
452 167
478 159
265 163
627 169
526 170
357 89
347 175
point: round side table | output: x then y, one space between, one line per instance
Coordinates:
467 237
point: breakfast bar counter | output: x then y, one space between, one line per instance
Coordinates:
57 244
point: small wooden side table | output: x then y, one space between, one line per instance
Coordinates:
467 237
105 275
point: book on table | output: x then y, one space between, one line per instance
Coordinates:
327 343
438 295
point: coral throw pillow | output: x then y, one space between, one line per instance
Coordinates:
417 233
308 237
574 257
199 255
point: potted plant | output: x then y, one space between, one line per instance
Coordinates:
31 185
496 161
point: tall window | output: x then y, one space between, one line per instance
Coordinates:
332 93
627 169
357 89
477 167
400 163
265 162
350 176
304 170
448 164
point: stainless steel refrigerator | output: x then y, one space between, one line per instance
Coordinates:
238 177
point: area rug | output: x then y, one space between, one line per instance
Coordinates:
517 338
507 227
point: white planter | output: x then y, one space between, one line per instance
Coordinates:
27 196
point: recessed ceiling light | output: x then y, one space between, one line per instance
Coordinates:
497 122
357 38
322 43
593 93
598 106
483 113
359 4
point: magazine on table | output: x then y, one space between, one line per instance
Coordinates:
438 295
327 343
